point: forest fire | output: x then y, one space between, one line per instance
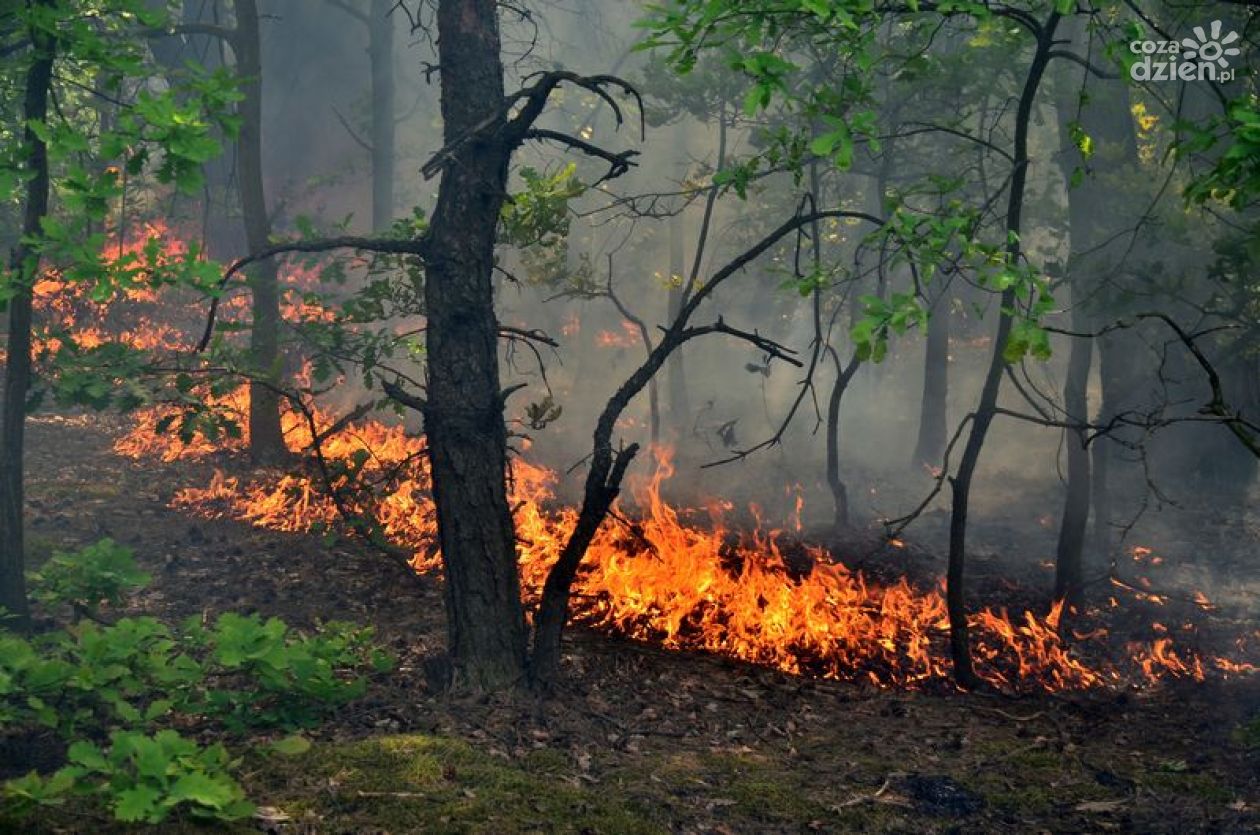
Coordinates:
670 579
627 338
681 578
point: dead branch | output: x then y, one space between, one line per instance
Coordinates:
618 163
765 344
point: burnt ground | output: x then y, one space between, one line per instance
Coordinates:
641 739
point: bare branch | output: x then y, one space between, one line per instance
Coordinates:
412 246
618 164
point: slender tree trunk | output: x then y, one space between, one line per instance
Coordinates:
381 52
679 414
1069 554
839 491
266 439
464 413
960 484
933 411
1102 108
17 371
1102 535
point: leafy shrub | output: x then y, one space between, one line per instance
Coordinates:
142 778
97 676
292 678
128 680
101 573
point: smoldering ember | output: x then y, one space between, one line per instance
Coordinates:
699 416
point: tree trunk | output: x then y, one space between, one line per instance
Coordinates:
1102 535
17 373
1094 218
266 439
679 413
960 484
1069 555
933 411
381 52
839 491
464 412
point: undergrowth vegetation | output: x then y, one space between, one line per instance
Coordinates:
129 696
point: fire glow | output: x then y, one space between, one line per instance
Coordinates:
669 579
680 578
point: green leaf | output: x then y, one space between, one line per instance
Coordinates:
138 803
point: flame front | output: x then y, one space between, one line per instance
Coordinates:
677 577
672 580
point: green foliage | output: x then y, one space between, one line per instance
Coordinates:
536 221
104 572
121 131
137 678
1234 177
293 679
882 317
142 779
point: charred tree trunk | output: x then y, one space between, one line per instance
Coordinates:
933 411
266 438
464 412
960 484
381 53
24 264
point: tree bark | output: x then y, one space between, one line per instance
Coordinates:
933 411
266 439
381 53
839 491
679 414
960 484
1069 554
464 412
24 264
1094 216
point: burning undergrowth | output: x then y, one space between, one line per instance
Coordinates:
682 578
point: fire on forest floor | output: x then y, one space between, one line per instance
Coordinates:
682 578
642 738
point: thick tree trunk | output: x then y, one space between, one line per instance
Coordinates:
464 412
381 52
933 411
1069 554
17 370
266 439
960 484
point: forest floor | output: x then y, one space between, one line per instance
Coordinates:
641 739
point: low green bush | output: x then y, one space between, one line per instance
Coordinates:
132 681
101 573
